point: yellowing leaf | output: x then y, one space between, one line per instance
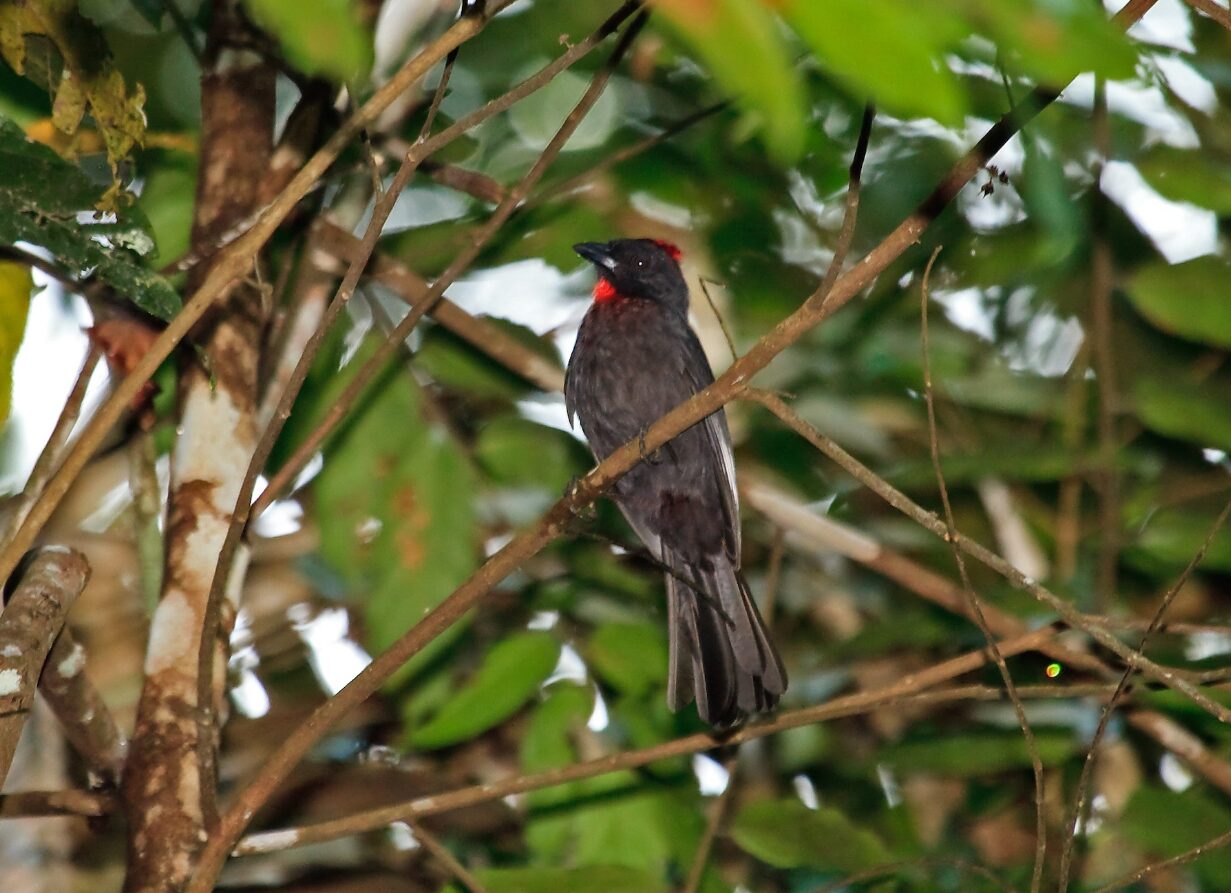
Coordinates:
80 76
15 286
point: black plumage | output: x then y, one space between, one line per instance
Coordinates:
636 357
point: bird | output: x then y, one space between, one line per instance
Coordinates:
635 358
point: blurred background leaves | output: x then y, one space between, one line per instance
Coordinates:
451 452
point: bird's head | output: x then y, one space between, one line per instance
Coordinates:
637 268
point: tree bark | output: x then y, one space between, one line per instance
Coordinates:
169 781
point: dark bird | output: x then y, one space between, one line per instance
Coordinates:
636 357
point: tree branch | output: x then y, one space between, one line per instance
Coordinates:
368 371
928 520
412 289
527 544
29 625
52 450
170 780
87 722
231 263
910 690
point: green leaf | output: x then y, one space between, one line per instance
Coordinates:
898 58
739 41
786 834
151 10
631 657
1187 299
620 818
548 739
1049 201
537 117
1055 40
978 753
320 37
1187 175
1199 413
1164 823
396 509
608 879
168 200
15 286
510 675
521 453
1169 538
41 198
453 363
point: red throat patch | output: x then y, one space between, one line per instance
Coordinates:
670 248
604 291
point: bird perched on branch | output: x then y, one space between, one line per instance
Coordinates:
636 358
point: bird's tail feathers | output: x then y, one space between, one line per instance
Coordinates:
721 653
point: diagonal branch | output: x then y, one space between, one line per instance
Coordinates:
29 625
552 524
1087 768
45 465
1090 625
230 264
913 689
88 723
356 387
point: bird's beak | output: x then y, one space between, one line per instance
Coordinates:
597 253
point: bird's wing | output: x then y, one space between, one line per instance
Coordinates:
697 370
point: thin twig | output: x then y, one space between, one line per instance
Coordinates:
358 384
722 323
230 263
976 609
851 212
83 714
36 804
53 449
718 811
1106 477
1101 277
478 332
30 259
442 855
1185 745
926 862
1183 858
1218 13
1087 769
619 156
928 520
818 532
910 690
525 545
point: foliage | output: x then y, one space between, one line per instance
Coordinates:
51 42
1073 464
46 201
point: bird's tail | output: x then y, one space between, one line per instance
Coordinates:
721 653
